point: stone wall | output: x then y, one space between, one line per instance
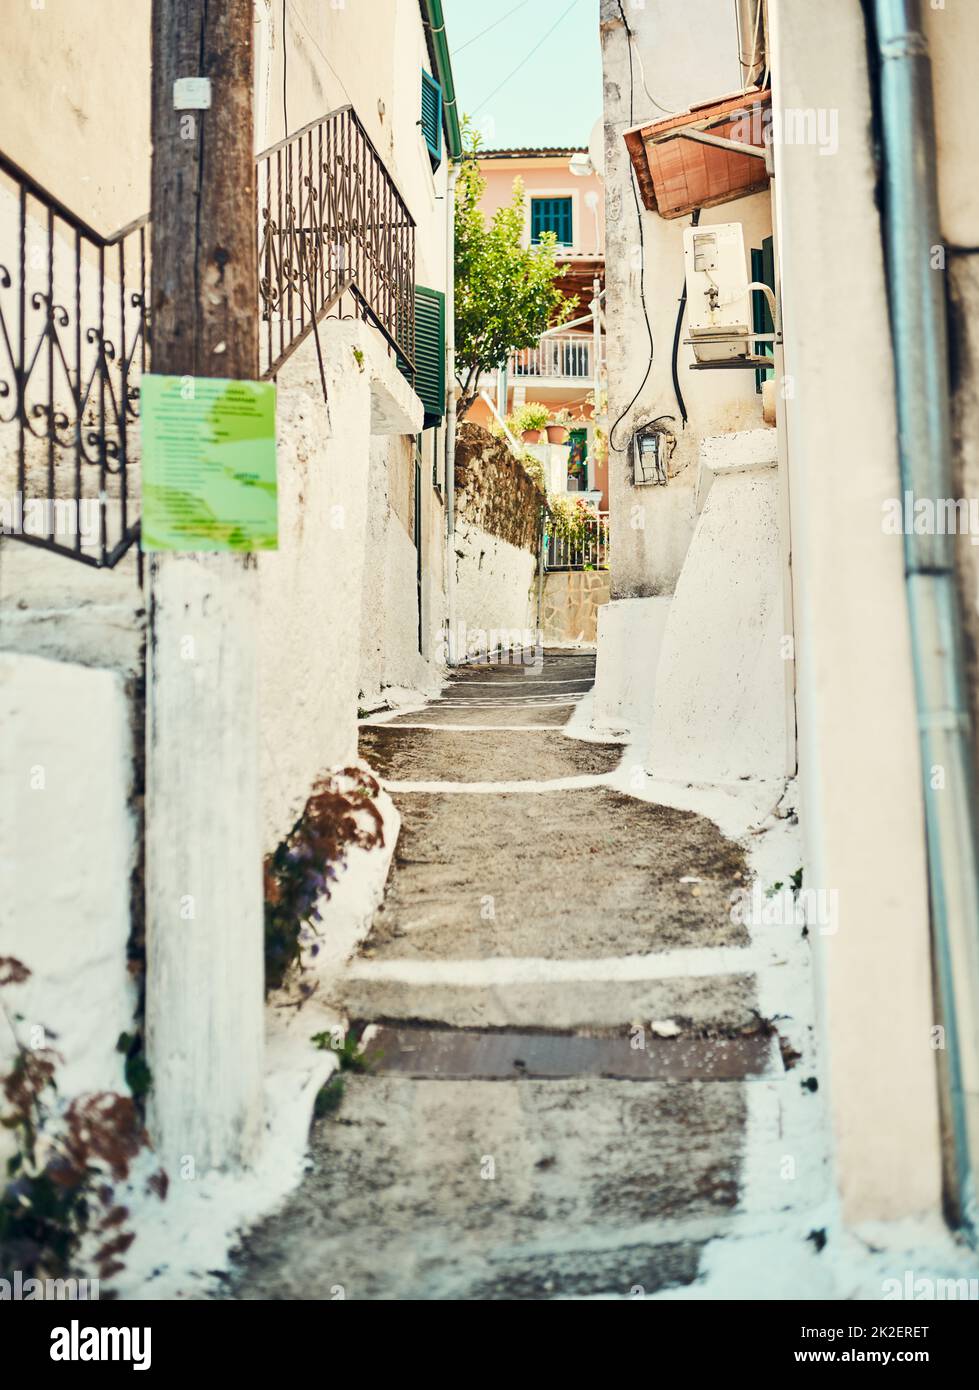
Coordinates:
497 530
493 490
572 599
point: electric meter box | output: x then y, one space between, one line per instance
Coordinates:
718 298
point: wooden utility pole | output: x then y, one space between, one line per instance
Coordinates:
204 1003
205 247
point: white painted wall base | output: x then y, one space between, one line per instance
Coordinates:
246 658
204 934
719 711
630 638
310 588
68 838
494 588
862 808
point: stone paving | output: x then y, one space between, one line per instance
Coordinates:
520 908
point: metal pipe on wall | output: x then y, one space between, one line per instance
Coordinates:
920 347
752 40
451 420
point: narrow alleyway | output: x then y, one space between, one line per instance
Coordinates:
513 1139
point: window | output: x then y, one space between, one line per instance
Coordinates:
430 353
551 215
431 121
578 461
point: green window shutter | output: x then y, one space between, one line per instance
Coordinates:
551 215
763 272
430 353
432 117
536 219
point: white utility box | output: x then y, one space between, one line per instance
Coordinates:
718 298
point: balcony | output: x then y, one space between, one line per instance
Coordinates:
568 359
581 544
336 240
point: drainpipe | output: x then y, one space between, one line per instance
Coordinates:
502 390
451 413
596 349
920 347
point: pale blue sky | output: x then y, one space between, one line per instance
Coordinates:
556 96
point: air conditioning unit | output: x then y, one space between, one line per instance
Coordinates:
718 298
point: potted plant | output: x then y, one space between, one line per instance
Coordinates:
530 421
557 429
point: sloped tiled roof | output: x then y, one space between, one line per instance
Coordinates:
539 153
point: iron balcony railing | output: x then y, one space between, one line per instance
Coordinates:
335 240
73 343
585 548
567 357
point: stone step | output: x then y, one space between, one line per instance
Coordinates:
489 1189
432 755
720 1004
456 1054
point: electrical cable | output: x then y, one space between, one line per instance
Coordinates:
456 51
527 57
667 110
642 249
694 220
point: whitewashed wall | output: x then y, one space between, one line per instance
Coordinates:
719 712
862 812
312 590
68 846
76 115
630 639
390 655
689 54
495 588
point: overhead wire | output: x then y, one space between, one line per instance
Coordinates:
463 46
527 56
642 250
667 110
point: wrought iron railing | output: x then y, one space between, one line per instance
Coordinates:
72 343
585 547
336 240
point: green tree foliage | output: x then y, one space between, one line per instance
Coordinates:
506 293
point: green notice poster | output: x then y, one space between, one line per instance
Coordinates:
209 472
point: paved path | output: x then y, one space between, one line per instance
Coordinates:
493 1164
